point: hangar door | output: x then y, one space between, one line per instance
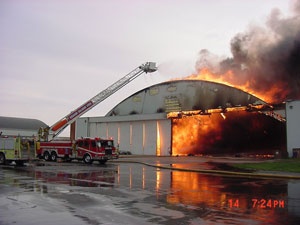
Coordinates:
147 137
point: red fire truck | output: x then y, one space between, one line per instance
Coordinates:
86 149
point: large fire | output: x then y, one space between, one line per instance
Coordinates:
188 133
231 132
275 92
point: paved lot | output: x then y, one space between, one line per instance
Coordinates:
122 192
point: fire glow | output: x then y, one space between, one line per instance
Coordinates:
188 133
275 92
237 131
211 131
158 142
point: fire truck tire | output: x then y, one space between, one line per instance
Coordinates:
53 156
2 159
87 159
47 156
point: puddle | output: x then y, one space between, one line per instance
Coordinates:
162 196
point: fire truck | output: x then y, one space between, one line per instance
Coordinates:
88 149
16 149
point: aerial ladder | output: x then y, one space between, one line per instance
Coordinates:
48 133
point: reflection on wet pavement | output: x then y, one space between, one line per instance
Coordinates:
136 194
222 199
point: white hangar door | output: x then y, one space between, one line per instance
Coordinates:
105 130
164 137
81 128
131 137
149 137
98 130
124 137
136 139
112 132
157 137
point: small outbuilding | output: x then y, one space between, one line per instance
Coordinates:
12 126
293 128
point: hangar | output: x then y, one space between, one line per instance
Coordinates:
183 117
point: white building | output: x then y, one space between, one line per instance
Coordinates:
293 127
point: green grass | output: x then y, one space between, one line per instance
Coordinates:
284 165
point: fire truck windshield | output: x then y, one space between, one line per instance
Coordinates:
98 143
105 143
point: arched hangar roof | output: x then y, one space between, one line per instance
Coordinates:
20 123
183 95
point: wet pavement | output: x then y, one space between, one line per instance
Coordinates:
122 192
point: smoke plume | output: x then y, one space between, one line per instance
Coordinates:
265 57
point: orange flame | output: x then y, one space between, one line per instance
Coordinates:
235 131
194 133
158 140
188 133
274 92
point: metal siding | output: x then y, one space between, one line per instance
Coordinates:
165 133
293 126
101 129
140 139
113 132
137 137
15 132
125 137
93 130
150 138
81 127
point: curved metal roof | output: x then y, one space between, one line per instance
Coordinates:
183 95
20 123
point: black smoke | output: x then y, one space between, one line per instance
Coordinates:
264 56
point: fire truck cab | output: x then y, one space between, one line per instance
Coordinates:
90 149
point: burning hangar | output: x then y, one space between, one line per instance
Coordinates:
188 117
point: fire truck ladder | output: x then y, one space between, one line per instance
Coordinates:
49 133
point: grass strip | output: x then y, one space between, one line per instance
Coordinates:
284 165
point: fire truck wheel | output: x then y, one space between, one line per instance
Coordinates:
53 156
87 159
47 156
2 159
